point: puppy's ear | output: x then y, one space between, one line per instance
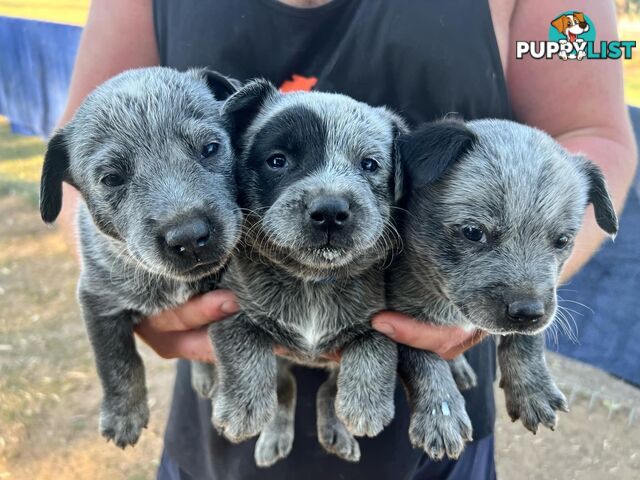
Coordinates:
242 107
579 16
221 86
399 128
427 152
560 23
600 198
55 170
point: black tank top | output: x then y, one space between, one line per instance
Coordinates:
423 59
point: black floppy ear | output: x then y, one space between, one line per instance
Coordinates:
221 86
243 106
399 128
427 152
55 170
600 198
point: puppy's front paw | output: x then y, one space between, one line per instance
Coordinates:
441 426
364 413
336 439
273 445
122 422
243 415
534 404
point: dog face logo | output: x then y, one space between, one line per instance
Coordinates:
570 26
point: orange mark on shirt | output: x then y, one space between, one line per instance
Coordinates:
297 83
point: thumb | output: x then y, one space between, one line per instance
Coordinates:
417 334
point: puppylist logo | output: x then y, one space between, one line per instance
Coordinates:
572 36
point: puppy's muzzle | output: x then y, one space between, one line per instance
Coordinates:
189 241
329 213
525 311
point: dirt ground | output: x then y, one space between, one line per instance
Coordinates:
49 392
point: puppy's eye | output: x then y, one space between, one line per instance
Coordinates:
561 242
474 233
209 149
369 165
113 180
277 161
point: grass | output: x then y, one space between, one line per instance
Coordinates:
49 393
20 163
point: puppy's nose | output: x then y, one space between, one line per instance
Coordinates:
528 310
583 25
330 211
189 236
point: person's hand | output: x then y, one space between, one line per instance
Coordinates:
182 331
448 342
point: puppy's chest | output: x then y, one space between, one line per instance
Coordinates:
312 318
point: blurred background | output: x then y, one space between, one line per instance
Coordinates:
49 392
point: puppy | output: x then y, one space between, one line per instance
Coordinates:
158 221
317 177
491 215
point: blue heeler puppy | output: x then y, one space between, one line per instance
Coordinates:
148 152
317 176
492 211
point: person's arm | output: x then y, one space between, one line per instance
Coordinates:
581 104
118 36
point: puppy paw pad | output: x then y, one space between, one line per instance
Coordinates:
364 419
336 439
441 429
240 420
124 426
273 446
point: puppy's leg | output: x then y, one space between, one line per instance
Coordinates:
366 382
203 377
246 369
332 434
276 439
439 422
124 412
462 373
530 392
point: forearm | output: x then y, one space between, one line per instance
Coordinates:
580 103
618 160
119 35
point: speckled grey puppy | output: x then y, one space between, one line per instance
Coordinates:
492 211
158 220
316 176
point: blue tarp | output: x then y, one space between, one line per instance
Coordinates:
605 296
36 59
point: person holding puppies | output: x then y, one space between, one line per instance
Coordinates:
421 59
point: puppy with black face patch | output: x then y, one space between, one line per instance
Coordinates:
148 152
316 178
493 208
